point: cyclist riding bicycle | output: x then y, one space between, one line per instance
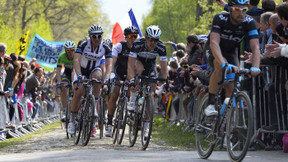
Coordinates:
89 62
228 30
66 59
142 60
120 55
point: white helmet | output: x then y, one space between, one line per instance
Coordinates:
95 29
69 44
108 43
153 31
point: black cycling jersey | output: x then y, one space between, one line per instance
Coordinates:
148 58
230 35
121 51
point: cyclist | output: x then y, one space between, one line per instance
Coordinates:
66 59
142 60
228 30
120 55
88 61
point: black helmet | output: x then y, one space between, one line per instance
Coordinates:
238 2
131 30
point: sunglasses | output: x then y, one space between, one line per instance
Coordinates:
130 36
70 50
242 9
96 36
153 40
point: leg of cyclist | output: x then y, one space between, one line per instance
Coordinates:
75 102
138 68
64 99
112 107
213 88
96 74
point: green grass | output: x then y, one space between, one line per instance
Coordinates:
28 137
172 136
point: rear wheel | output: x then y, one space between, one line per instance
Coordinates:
101 117
205 142
133 122
78 128
67 119
115 127
239 127
88 119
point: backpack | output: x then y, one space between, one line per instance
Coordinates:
285 143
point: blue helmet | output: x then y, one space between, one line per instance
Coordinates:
238 2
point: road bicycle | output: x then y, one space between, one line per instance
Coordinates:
142 117
67 109
121 114
231 128
85 118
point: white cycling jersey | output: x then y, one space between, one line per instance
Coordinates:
92 58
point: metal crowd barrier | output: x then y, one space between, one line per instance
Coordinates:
270 99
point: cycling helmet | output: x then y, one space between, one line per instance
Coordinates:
108 43
95 29
7 57
238 2
153 31
131 30
69 44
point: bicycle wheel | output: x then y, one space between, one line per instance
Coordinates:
67 119
146 122
122 121
101 117
205 142
88 119
115 127
239 127
133 122
78 128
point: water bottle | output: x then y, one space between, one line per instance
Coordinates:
226 101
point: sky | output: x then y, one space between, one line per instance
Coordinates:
116 9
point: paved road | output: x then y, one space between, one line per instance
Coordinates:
130 155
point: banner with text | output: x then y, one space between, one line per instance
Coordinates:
46 52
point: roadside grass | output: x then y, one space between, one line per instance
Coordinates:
172 136
29 137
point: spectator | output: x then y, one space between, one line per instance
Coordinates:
269 5
33 81
265 27
3 49
194 56
274 21
179 54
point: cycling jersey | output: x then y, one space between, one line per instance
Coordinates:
230 36
121 51
68 64
148 58
91 59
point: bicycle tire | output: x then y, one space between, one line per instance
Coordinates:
101 117
115 127
78 128
133 123
145 140
233 138
202 152
67 118
88 119
122 121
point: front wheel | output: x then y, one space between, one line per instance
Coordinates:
133 122
147 122
239 127
122 121
88 119
205 142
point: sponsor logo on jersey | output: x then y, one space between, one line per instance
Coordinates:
223 18
216 26
228 31
248 19
231 37
147 55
